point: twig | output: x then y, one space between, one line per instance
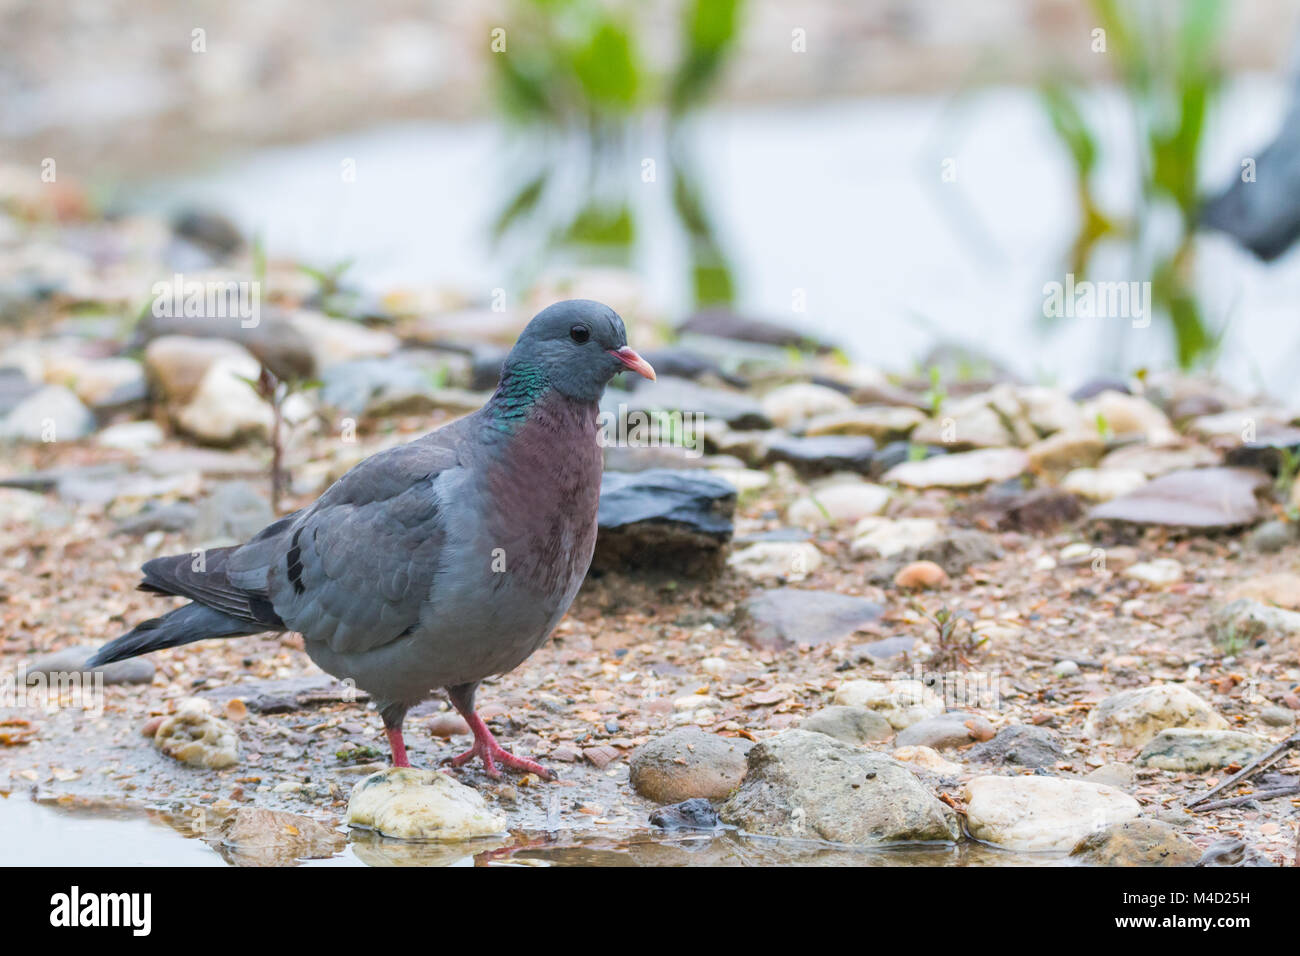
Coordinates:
1249 797
1252 768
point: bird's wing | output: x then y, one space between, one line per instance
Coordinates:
352 570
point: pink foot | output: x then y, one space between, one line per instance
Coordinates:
491 753
398 746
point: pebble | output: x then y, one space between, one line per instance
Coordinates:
921 575
776 560
901 702
944 731
853 725
885 537
695 814
1103 484
50 414
1064 669
687 763
880 422
789 405
963 470
838 504
194 736
1159 573
1020 745
1276 716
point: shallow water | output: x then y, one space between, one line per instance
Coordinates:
842 200
85 834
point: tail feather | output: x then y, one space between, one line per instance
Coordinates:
185 625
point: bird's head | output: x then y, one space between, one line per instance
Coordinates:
579 345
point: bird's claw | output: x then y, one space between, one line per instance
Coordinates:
492 753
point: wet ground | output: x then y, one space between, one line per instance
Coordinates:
72 832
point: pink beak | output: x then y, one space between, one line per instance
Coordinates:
627 355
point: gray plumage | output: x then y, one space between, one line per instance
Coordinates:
436 563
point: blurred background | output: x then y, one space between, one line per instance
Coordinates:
890 176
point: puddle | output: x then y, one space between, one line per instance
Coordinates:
82 833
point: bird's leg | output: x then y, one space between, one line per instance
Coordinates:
485 746
393 715
398 746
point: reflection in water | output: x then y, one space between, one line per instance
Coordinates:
85 832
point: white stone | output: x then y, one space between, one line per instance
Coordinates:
1103 484
177 363
838 504
901 702
881 422
1050 410
1035 813
225 409
744 480
789 405
887 537
1129 415
409 804
1066 450
49 414
338 340
1159 573
131 436
963 470
1133 717
97 379
783 560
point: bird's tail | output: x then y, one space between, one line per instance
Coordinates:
185 625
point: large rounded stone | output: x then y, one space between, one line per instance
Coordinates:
1137 843
1133 717
1042 813
1183 749
410 804
688 763
811 786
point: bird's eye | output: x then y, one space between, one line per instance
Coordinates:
579 333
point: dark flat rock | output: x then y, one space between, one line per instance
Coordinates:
668 519
821 454
1268 450
693 814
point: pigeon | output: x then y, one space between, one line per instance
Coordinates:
437 563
